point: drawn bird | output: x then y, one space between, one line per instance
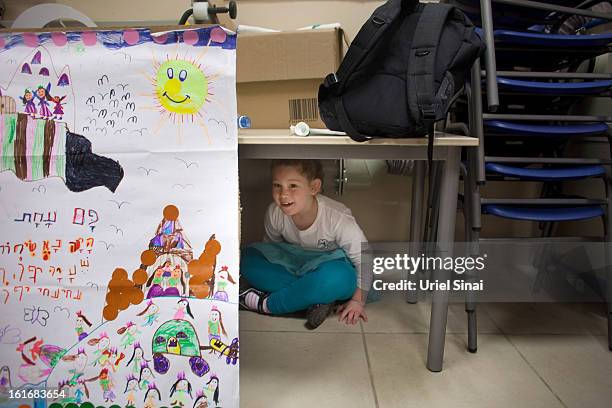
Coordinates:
117 229
123 86
148 171
40 189
219 122
119 204
106 244
139 131
186 163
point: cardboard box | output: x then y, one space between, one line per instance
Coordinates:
278 75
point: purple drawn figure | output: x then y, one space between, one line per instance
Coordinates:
212 390
58 109
131 388
28 101
81 321
137 359
215 324
168 235
201 401
180 390
42 94
183 306
5 380
223 279
150 395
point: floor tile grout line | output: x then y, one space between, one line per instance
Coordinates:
506 336
369 364
534 370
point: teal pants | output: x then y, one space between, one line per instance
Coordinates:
329 282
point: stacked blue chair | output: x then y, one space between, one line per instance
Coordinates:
532 84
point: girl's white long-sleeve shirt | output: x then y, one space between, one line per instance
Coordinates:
334 227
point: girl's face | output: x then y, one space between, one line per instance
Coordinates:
182 385
40 92
104 343
132 385
223 274
214 383
182 304
81 361
154 309
28 95
176 272
146 373
138 352
291 191
214 316
159 272
79 322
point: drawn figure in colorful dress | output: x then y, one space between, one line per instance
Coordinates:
129 333
176 280
145 377
80 391
169 235
100 355
180 393
5 380
42 94
79 363
201 401
107 384
212 390
81 321
28 101
131 388
38 359
215 324
137 359
152 396
223 279
113 359
58 109
151 313
66 392
155 283
183 306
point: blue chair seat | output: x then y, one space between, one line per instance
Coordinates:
581 88
552 40
582 129
546 214
547 174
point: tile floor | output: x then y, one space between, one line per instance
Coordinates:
529 355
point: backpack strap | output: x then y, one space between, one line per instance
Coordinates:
420 78
364 41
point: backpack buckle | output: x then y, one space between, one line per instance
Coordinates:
428 113
330 80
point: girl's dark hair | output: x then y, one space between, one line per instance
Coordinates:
309 168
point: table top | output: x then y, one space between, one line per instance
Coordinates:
283 137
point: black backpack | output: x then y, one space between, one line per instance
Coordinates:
401 72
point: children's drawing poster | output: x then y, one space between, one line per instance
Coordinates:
119 218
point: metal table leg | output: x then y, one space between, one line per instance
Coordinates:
416 221
446 236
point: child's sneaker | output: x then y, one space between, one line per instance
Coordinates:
253 300
317 314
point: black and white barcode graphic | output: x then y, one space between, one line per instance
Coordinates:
303 110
